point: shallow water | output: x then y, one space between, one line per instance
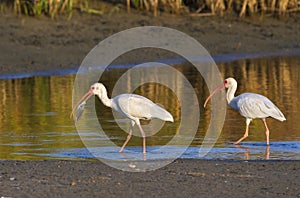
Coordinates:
35 121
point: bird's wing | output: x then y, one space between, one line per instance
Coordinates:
132 106
257 106
272 110
136 106
140 107
251 106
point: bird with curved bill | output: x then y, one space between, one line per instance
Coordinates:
131 106
249 105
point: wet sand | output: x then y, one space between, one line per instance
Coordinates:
40 44
182 178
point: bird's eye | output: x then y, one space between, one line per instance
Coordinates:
225 81
93 88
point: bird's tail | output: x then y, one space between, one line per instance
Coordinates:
278 115
161 113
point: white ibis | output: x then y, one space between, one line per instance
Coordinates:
249 105
132 106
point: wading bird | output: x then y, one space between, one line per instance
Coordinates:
249 105
131 106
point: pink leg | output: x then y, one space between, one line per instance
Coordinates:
267 131
144 138
128 137
246 132
267 152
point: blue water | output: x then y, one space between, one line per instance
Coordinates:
245 151
222 58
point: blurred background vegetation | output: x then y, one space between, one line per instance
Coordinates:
241 8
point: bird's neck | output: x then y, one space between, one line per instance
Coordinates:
104 98
230 93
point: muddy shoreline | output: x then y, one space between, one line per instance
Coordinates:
192 178
40 44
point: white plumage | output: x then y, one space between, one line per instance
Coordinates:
135 106
131 106
249 105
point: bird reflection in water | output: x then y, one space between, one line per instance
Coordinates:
247 151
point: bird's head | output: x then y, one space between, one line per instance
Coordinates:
228 82
98 89
95 89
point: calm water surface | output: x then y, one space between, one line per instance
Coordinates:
35 121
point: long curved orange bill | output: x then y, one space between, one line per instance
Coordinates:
84 98
213 93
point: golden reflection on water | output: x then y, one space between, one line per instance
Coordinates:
35 111
34 116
